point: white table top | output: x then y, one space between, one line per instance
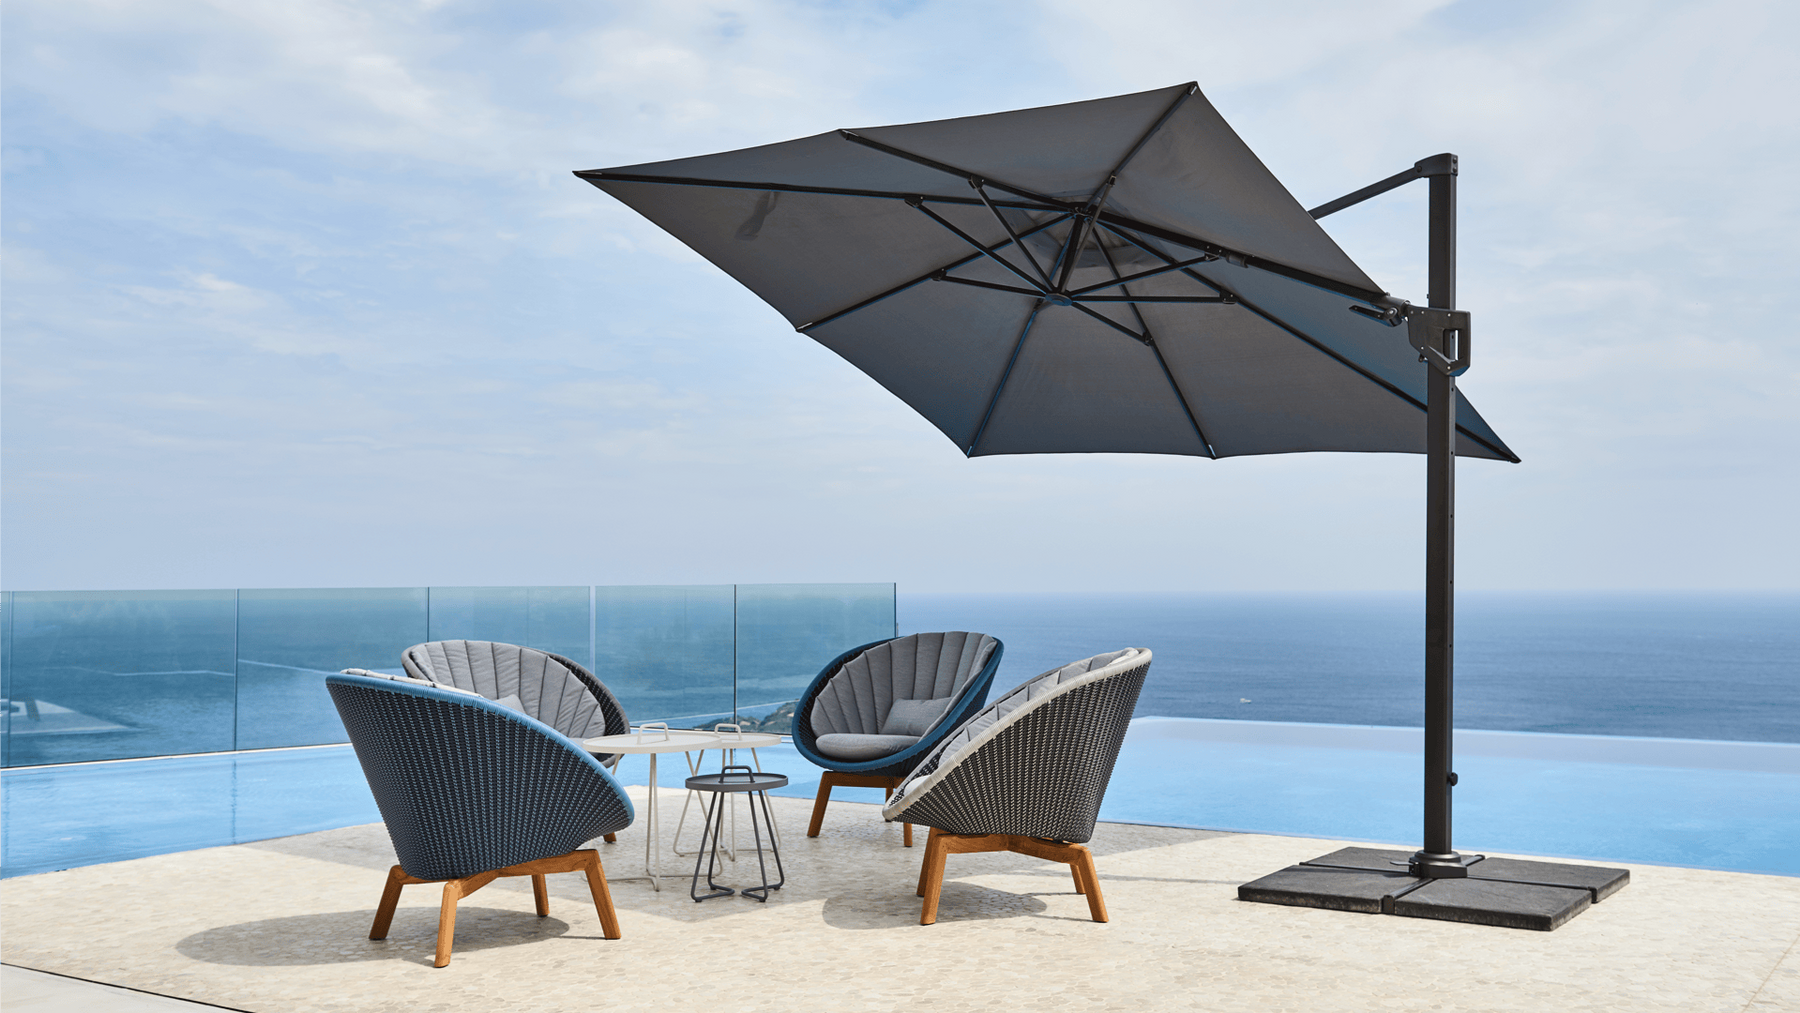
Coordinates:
747 740
653 741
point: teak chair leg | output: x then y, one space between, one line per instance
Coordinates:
822 800
603 905
833 779
931 874
611 838
390 898
456 889
941 845
447 922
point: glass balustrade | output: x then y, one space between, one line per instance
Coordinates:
101 675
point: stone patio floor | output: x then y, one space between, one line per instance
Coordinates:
282 925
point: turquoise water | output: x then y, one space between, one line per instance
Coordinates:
1583 705
1720 805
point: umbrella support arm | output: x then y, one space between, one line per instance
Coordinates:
1425 168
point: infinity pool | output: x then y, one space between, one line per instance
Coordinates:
1720 805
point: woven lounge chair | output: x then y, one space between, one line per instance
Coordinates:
876 710
546 686
1027 773
471 791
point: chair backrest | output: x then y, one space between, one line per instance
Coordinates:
1035 762
856 698
549 687
466 785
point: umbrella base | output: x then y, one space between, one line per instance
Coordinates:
1498 891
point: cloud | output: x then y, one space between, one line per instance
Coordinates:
277 267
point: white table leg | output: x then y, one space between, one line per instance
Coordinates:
654 837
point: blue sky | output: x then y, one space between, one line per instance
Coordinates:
303 294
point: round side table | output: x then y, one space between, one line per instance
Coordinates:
735 778
653 740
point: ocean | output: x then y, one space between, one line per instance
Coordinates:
1658 664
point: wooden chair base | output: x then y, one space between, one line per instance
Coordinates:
941 845
587 861
837 779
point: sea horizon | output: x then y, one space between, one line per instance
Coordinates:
1709 665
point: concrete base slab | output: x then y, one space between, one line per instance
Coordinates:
1494 902
1505 892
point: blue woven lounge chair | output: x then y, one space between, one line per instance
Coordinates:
875 711
554 689
1027 773
471 790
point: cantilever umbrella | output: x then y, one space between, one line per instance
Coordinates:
1115 276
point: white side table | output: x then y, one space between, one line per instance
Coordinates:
654 740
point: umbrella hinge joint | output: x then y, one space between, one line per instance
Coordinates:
1392 316
1441 336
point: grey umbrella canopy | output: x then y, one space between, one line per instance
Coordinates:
1115 276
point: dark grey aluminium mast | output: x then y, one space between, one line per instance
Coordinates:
1439 882
1441 335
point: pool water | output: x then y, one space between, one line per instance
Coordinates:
1720 805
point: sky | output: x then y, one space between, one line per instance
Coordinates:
303 294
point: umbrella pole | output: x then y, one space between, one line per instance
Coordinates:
1438 859
1438 883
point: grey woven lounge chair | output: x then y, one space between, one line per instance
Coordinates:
471 791
549 687
1027 773
875 711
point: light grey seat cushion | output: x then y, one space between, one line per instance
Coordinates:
541 686
844 746
924 669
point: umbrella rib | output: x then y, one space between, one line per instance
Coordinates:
1333 353
1102 192
1190 91
1403 395
1032 260
1168 375
597 176
1148 298
994 398
941 276
1141 275
944 167
1116 223
1108 321
972 241
920 280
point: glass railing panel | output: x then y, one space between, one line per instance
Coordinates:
100 675
6 704
289 640
786 633
500 614
666 651
558 620
553 619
